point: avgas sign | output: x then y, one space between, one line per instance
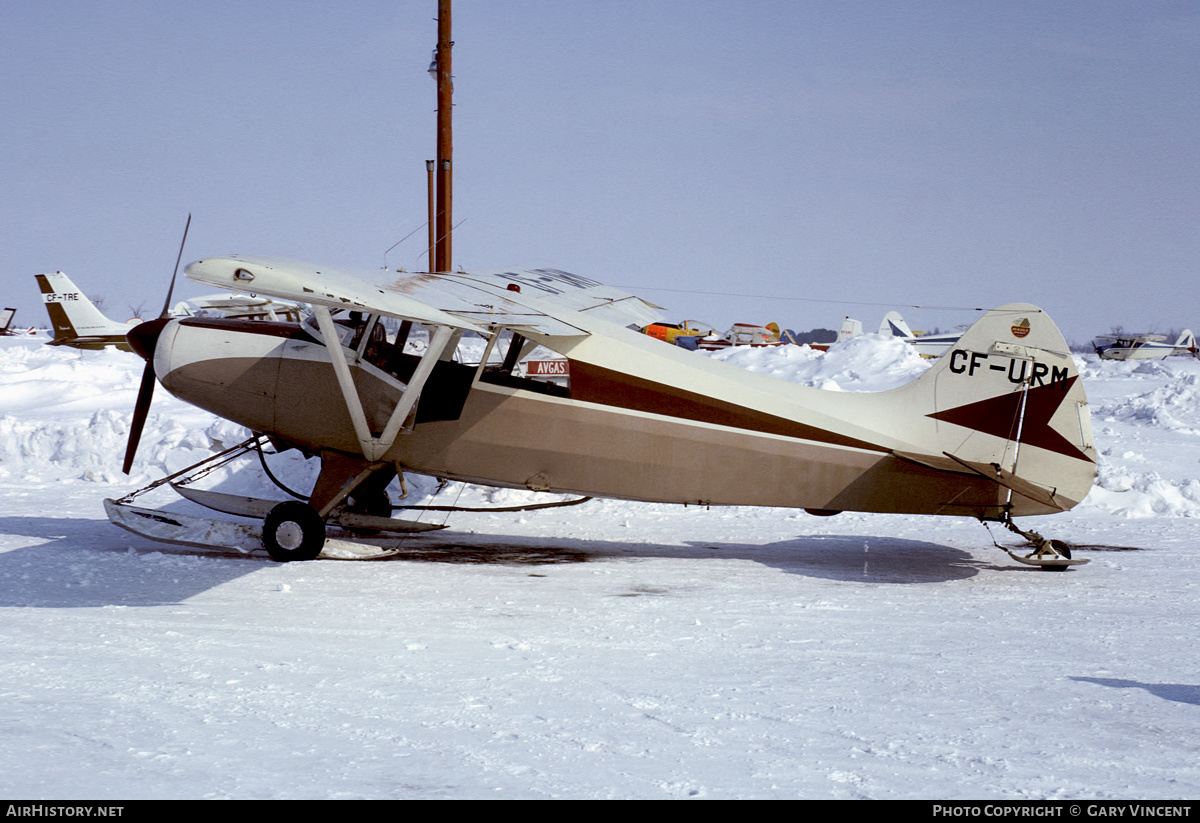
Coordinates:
547 368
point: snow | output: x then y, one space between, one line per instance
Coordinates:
606 650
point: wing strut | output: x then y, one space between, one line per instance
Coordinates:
374 448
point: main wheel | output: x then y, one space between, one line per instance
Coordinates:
293 531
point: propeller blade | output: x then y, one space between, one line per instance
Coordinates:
167 305
143 338
140 411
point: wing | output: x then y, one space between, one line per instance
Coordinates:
537 300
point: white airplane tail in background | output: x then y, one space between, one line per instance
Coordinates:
850 328
927 345
893 325
1186 344
76 320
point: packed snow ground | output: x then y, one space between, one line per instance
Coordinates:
607 650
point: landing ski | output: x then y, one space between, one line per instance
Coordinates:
1046 561
258 508
207 533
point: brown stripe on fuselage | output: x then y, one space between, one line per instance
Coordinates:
270 328
595 384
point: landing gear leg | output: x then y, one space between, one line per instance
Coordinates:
371 496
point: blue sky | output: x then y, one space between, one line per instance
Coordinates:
828 158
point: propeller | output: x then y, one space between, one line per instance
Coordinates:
143 338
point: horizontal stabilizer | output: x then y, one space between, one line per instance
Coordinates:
988 471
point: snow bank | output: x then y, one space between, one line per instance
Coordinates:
1146 415
1174 406
65 414
867 362
1120 491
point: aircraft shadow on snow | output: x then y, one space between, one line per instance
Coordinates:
1175 692
89 563
850 558
845 558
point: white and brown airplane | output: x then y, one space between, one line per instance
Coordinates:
76 321
1145 346
999 428
996 430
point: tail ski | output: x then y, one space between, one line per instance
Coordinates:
1006 403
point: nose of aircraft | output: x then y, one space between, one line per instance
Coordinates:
143 337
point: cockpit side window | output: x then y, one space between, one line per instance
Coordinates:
516 369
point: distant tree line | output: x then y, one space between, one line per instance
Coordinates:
817 336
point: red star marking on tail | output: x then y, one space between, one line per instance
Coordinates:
998 416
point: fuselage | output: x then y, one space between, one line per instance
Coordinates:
682 429
1137 350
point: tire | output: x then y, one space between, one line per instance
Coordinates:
293 531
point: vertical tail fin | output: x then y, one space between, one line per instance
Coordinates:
1186 341
850 328
6 318
893 325
1006 402
71 314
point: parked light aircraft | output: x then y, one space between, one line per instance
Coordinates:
996 430
6 318
76 320
740 334
1144 346
677 334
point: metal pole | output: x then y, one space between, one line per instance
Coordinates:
431 188
445 143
